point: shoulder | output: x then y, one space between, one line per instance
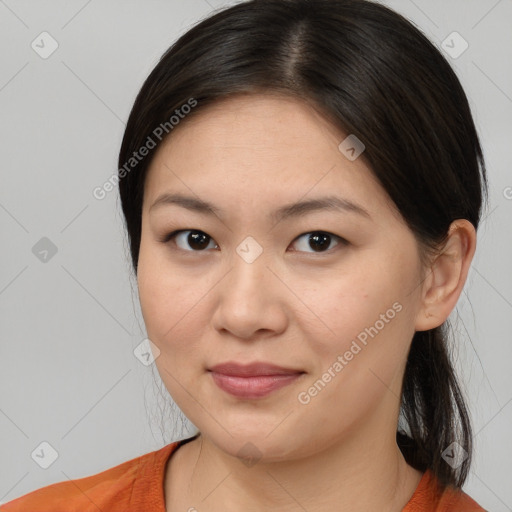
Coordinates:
134 482
456 500
430 497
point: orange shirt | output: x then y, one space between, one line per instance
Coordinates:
137 486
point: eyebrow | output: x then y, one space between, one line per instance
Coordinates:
299 209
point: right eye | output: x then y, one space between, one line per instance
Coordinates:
195 239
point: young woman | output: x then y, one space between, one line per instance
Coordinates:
302 182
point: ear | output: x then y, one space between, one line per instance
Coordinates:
447 275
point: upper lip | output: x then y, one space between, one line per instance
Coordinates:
252 369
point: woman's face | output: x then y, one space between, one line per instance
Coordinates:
244 284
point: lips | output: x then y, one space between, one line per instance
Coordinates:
251 381
252 369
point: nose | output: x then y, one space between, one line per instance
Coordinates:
251 301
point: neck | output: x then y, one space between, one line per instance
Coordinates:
350 475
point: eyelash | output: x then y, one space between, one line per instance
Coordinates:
170 236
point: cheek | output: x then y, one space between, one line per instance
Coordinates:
357 366
364 313
172 312
155 299
170 302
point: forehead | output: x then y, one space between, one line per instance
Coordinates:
270 147
258 121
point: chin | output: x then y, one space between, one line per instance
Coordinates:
252 446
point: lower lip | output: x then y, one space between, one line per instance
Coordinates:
252 387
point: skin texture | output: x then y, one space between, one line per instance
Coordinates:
292 306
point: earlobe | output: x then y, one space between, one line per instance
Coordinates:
447 277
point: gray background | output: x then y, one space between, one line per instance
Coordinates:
68 375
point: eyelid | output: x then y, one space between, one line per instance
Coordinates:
166 238
341 241
173 234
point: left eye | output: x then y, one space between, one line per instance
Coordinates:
318 241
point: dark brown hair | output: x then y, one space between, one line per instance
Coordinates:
374 75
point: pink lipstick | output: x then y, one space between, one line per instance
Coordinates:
255 380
